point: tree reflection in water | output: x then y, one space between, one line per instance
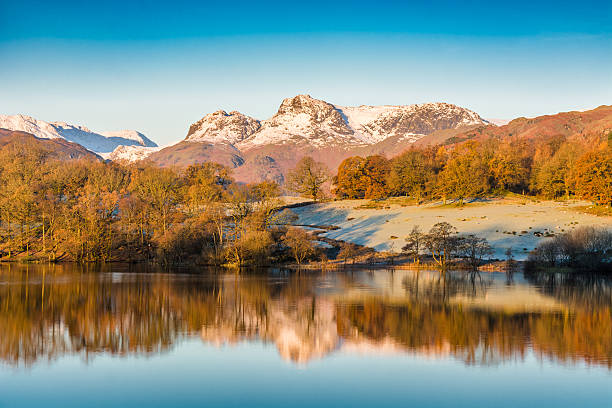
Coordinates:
50 311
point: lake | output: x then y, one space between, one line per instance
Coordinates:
119 335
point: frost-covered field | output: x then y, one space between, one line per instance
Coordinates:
505 223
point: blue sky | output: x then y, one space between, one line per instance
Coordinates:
159 66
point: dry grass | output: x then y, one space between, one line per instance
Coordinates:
599 210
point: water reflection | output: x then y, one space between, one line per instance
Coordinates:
50 311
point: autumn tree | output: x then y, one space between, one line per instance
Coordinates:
307 178
300 244
158 189
267 202
510 165
464 175
348 251
350 181
252 229
409 174
205 183
551 175
376 171
21 172
360 177
591 176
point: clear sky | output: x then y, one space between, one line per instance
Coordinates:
159 66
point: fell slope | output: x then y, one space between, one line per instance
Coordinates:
58 148
104 142
574 124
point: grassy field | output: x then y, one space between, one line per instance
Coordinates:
515 222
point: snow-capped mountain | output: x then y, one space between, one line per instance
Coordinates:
267 149
306 120
377 123
223 127
103 142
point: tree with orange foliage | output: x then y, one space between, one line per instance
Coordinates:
592 176
509 165
411 172
464 175
360 177
349 182
376 171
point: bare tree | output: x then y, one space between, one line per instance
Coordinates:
300 244
587 248
415 242
348 251
474 249
308 177
442 243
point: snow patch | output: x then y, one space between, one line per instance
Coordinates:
130 154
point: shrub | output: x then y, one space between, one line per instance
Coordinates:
585 248
299 243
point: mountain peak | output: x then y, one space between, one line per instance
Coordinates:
303 119
222 127
304 103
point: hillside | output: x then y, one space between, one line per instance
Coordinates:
58 148
103 142
574 124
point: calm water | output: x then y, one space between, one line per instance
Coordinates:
120 337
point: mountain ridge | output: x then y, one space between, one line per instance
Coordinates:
306 119
97 142
267 149
304 126
572 124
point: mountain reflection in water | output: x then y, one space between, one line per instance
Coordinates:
50 311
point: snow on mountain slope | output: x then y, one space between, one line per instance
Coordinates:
130 154
222 127
130 135
96 142
305 119
377 123
38 128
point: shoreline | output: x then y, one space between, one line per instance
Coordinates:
516 223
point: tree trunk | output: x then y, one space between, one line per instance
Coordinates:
43 232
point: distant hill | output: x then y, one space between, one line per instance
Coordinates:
59 148
575 124
104 142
